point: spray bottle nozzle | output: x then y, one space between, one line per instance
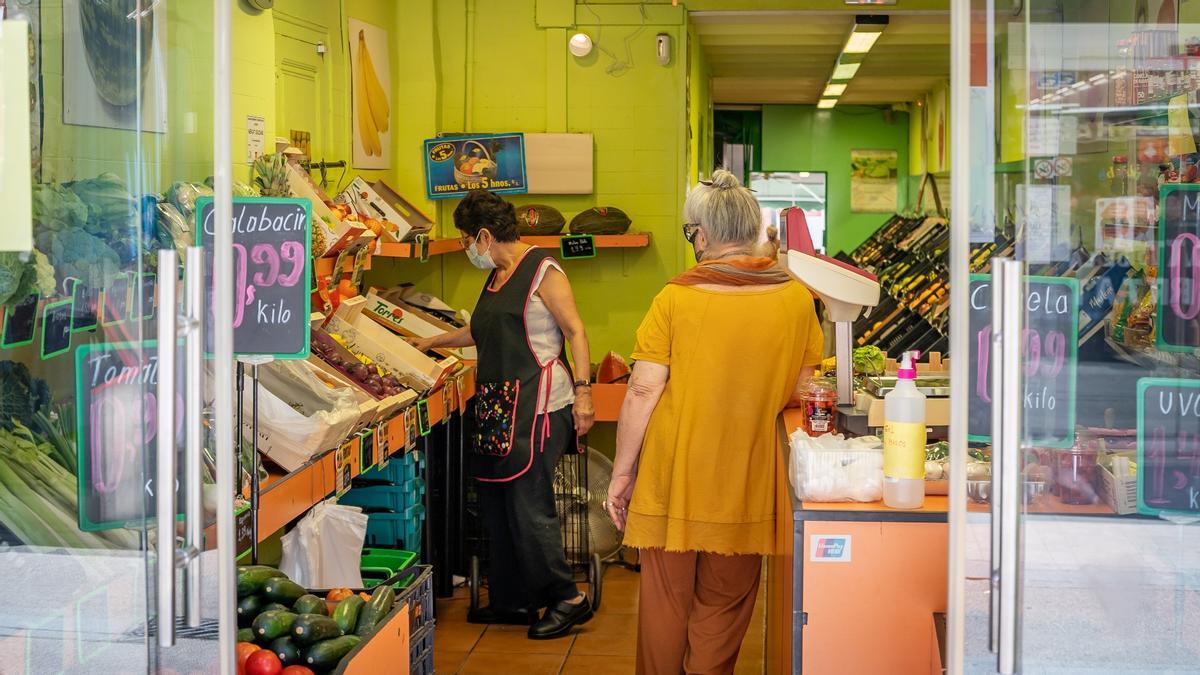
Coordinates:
908 365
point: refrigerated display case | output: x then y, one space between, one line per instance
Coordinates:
104 107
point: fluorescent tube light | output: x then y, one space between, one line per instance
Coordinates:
826 103
860 43
844 71
834 90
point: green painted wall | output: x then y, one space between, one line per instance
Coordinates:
518 76
802 138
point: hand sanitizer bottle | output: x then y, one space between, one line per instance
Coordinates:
904 440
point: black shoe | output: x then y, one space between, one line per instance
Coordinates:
507 617
560 619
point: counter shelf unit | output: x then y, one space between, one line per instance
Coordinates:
285 497
444 246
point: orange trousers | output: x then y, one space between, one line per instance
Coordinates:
694 609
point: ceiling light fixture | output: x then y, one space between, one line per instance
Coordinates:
863 36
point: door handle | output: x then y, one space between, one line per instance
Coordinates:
167 335
1010 483
996 375
193 423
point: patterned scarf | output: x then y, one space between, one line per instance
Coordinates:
740 270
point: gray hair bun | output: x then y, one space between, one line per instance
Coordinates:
724 180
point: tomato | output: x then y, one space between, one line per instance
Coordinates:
244 650
297 670
263 662
339 594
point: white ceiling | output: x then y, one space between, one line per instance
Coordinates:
787 56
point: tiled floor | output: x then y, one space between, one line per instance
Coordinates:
606 645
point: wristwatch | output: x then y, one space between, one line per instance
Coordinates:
583 384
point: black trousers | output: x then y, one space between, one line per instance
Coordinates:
528 567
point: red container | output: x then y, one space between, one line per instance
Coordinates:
1074 470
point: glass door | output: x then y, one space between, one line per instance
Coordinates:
1076 538
108 438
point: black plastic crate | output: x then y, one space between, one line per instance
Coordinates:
421 651
418 593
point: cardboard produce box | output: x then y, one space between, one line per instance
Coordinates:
331 234
375 409
402 209
385 347
409 321
366 199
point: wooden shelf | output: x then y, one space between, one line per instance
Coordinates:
444 246
285 497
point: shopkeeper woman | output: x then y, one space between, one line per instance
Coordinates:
530 409
723 349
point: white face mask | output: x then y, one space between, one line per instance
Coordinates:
481 260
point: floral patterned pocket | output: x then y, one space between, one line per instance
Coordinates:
495 417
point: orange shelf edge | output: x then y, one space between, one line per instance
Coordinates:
607 399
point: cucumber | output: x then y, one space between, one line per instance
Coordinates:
283 591
276 607
251 581
270 625
311 604
346 613
326 654
374 611
310 628
245 635
287 651
248 608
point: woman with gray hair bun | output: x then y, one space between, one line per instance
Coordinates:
725 347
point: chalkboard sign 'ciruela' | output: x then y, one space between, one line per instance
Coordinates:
1049 353
271 272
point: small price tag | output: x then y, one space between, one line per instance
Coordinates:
87 307
578 247
366 449
411 429
116 301
244 527
149 286
57 318
423 424
383 445
19 321
343 473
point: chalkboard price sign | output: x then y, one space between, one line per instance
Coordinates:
244 529
1168 446
366 449
271 272
1049 350
116 301
116 389
577 247
19 323
57 319
1178 325
87 307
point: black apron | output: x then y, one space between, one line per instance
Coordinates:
511 382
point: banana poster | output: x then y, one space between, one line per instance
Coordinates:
372 113
455 165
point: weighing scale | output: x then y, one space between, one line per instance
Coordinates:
844 289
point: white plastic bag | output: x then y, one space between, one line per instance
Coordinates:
325 549
832 468
299 414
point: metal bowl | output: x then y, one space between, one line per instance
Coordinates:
980 491
1035 489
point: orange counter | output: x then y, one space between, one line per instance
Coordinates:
861 595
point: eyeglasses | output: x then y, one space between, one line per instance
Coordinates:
689 232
